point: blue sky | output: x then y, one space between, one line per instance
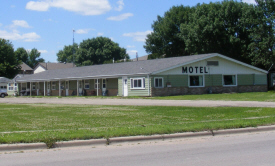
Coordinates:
47 25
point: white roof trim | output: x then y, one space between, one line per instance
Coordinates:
210 56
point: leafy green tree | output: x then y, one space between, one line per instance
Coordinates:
22 55
34 57
66 55
219 27
263 34
165 38
93 51
9 66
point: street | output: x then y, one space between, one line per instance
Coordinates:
237 149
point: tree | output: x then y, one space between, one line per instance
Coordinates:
66 55
263 34
22 55
165 38
9 66
219 27
93 51
34 55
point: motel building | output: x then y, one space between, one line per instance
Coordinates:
195 74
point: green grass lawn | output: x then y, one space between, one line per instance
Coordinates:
46 123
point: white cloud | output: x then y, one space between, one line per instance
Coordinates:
84 7
38 6
138 36
1 24
83 31
120 5
120 17
131 46
100 34
250 2
15 35
132 52
21 23
43 51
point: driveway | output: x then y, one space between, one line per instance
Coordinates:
136 102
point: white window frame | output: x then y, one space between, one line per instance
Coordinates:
158 78
86 83
137 79
104 82
15 86
10 86
33 85
53 85
97 84
236 82
203 81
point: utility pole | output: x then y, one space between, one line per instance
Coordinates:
73 46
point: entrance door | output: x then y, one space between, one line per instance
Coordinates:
48 88
125 86
104 87
67 87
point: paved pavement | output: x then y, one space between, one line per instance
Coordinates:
137 102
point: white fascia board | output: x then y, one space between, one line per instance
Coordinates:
186 63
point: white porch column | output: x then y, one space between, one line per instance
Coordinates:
44 89
148 85
97 87
59 88
77 87
30 89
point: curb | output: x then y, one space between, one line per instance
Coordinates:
64 144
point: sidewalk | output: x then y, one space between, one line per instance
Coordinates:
137 102
104 142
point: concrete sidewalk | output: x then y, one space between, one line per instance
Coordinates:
102 142
136 102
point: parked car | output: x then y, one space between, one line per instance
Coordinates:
3 93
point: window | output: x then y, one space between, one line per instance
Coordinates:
48 85
212 63
10 86
33 86
104 83
15 86
158 82
53 86
87 84
137 83
97 84
196 81
229 80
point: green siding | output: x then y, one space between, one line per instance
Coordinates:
260 79
245 79
213 80
175 80
73 85
112 83
119 82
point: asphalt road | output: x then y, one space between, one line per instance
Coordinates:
241 149
138 102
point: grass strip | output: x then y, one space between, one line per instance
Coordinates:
26 123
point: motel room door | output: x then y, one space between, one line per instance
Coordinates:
125 86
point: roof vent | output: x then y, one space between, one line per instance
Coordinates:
212 63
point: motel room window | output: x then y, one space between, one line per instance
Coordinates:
196 81
33 86
10 86
97 84
158 82
137 83
229 80
15 86
53 86
104 83
87 84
